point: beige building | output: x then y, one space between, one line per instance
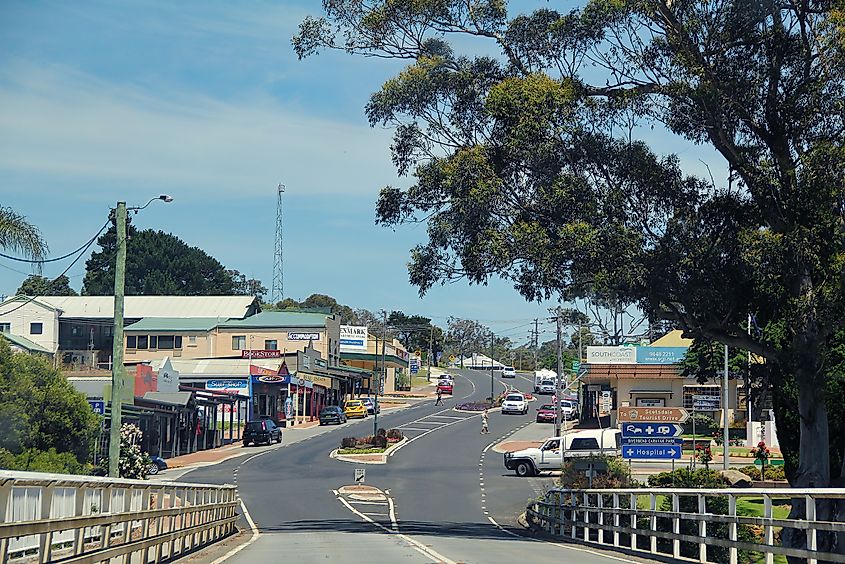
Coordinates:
392 356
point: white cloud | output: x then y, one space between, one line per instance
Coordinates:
60 122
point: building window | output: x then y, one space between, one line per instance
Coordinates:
238 342
192 340
143 342
76 330
108 331
177 342
5 327
153 342
271 345
165 342
131 341
36 328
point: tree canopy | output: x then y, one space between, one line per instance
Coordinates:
531 163
37 285
19 235
157 263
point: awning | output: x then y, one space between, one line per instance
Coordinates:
638 391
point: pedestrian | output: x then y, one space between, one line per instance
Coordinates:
485 421
439 397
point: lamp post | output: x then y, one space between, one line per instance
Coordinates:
117 373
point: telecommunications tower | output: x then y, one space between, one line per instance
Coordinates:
277 290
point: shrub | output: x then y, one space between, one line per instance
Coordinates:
34 460
348 442
370 450
686 478
751 471
704 424
380 441
395 434
381 433
473 406
616 476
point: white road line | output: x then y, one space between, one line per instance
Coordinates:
393 522
416 545
413 429
359 502
446 417
375 514
252 539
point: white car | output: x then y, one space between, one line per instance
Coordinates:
508 372
546 387
515 403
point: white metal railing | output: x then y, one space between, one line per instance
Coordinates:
696 525
93 519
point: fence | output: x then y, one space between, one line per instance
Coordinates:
91 519
696 525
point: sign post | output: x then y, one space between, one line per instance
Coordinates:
652 433
360 475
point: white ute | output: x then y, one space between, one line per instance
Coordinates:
549 456
515 403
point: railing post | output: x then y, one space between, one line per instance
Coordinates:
732 528
633 503
616 519
676 525
159 525
702 528
78 511
5 494
653 521
105 532
768 530
600 505
586 516
127 525
573 502
45 540
810 502
145 527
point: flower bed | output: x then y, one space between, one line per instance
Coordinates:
473 406
370 450
371 443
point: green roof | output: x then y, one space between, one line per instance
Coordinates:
25 343
173 324
273 319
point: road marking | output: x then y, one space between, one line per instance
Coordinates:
393 522
255 534
376 514
359 502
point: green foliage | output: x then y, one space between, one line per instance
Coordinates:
37 285
244 286
33 460
704 424
40 409
18 235
686 478
157 263
133 462
616 476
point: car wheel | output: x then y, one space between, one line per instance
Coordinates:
152 470
246 443
279 440
523 469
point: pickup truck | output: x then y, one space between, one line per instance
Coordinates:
549 456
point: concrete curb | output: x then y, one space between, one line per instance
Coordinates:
350 458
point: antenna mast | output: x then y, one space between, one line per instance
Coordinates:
277 290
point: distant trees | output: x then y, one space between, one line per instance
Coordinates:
37 285
247 286
466 336
157 263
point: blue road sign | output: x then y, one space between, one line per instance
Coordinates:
651 451
99 407
646 429
652 441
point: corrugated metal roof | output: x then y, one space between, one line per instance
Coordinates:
25 343
136 307
216 366
275 319
672 339
173 324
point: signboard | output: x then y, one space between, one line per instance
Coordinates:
303 336
353 338
660 355
611 355
258 354
706 403
360 475
414 365
98 406
576 365
226 385
653 414
644 429
452 358
269 379
652 441
652 451
605 402
651 402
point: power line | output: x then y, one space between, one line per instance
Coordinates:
85 245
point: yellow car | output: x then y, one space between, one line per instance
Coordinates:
355 408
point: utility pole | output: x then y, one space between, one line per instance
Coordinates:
382 371
535 340
430 350
560 377
725 432
491 368
116 414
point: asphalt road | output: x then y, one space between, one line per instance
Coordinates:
450 499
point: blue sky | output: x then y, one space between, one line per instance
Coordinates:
206 101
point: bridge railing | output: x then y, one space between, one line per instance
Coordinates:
92 519
696 525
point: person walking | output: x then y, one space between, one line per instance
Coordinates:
485 423
439 397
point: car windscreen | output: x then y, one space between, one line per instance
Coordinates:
514 398
547 407
328 411
547 383
355 403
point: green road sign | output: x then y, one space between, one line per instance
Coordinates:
576 365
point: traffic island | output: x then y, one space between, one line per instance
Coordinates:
367 456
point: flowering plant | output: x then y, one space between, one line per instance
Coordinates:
703 455
761 452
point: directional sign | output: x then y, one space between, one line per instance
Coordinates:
652 441
644 429
99 407
653 414
576 365
360 475
651 451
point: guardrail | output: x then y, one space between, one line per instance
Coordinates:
79 519
695 525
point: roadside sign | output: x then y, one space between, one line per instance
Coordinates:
452 358
652 451
648 429
360 475
653 414
652 441
99 407
576 365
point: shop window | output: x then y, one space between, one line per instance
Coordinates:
238 342
143 342
153 342
131 341
165 342
5 327
36 328
271 345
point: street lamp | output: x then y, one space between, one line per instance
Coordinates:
117 340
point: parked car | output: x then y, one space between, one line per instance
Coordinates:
355 408
592 442
508 372
262 431
332 414
546 414
371 405
515 403
157 464
446 387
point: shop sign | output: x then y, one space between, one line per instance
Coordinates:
651 402
259 354
320 362
226 384
660 355
303 336
611 355
353 338
321 381
270 379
